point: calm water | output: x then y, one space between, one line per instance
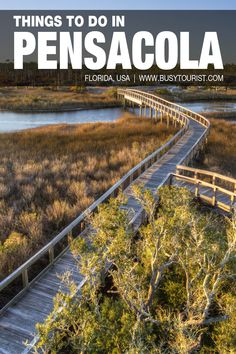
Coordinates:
11 121
211 106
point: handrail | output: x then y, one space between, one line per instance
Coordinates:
214 199
77 226
204 183
175 112
110 192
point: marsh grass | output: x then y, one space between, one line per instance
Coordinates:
50 99
205 93
49 175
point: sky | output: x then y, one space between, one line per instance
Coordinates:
119 5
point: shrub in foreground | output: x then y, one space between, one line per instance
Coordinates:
49 175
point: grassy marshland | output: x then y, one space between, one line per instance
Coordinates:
51 174
51 99
170 289
220 154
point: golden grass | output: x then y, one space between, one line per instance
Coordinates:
195 93
50 99
192 93
220 155
49 175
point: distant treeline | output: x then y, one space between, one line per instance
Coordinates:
31 76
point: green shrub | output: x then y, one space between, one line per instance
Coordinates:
163 91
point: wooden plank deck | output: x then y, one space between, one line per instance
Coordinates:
17 324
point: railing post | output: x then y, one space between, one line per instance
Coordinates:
150 112
51 254
69 240
25 278
155 114
82 226
168 120
214 196
197 190
213 180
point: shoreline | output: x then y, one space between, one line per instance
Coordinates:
64 110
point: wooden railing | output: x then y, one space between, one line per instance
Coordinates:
25 275
214 188
32 269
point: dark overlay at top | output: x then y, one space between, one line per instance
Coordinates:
117 48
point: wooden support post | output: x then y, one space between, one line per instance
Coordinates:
82 225
213 180
113 194
175 122
122 186
168 120
214 196
155 114
140 110
197 190
51 253
25 278
232 201
150 112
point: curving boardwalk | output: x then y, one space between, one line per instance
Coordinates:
35 300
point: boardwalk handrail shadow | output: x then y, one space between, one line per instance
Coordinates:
219 195
161 170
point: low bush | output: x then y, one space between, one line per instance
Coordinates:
169 289
49 175
220 152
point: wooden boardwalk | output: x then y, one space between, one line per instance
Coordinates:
17 323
